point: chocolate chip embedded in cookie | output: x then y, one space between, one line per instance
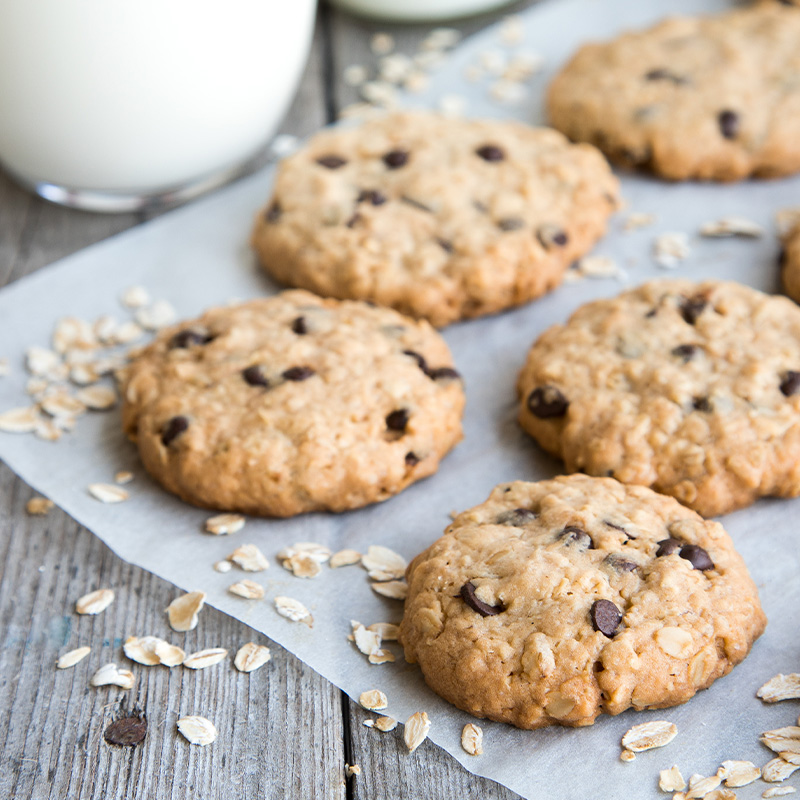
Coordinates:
713 97
691 389
293 403
515 623
438 218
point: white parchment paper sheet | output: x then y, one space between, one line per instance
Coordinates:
198 256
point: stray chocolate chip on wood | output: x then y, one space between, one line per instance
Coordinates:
255 376
397 420
298 373
395 159
173 429
790 383
666 547
696 556
547 401
476 604
331 161
606 617
126 732
491 152
728 124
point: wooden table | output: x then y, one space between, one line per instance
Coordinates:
284 732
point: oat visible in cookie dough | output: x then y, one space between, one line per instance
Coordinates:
439 218
713 97
293 403
691 389
540 657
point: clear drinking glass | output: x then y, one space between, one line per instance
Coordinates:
113 105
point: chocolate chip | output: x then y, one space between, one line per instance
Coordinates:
371 196
516 517
728 124
421 363
397 420
480 207
299 326
255 376
692 307
617 528
189 337
446 245
395 159
443 374
298 373
510 224
696 556
416 204
273 213
126 732
476 604
666 547
354 220
547 401
491 152
662 74
790 383
572 536
619 563
551 236
173 429
331 161
606 617
702 404
412 459
685 351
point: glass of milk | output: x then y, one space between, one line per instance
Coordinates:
418 10
117 104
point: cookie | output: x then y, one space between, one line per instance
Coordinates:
439 218
790 259
714 98
691 389
292 403
557 601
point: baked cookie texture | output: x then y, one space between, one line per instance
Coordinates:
293 403
439 218
790 261
690 388
714 98
557 601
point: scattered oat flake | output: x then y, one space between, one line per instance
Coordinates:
380 93
783 739
781 687
416 730
721 794
19 420
699 786
135 297
95 602
284 144
223 524
151 650
777 770
205 658
249 657
383 724
649 735
381 44
41 361
249 558
452 105
638 219
472 739
156 316
512 30
71 332
351 770
71 658
416 81
344 558
39 506
627 755
5 367
669 249
599 267
197 730
368 642
386 630
97 398
732 226
248 589
778 791
671 780
381 561
738 773
441 39
128 332
123 476
223 566
396 590
108 492
381 657
354 75
373 700
183 611
294 610
109 675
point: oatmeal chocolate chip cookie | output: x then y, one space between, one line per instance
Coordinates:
790 259
554 602
439 218
714 98
691 389
292 403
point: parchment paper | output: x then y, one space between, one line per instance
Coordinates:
198 257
